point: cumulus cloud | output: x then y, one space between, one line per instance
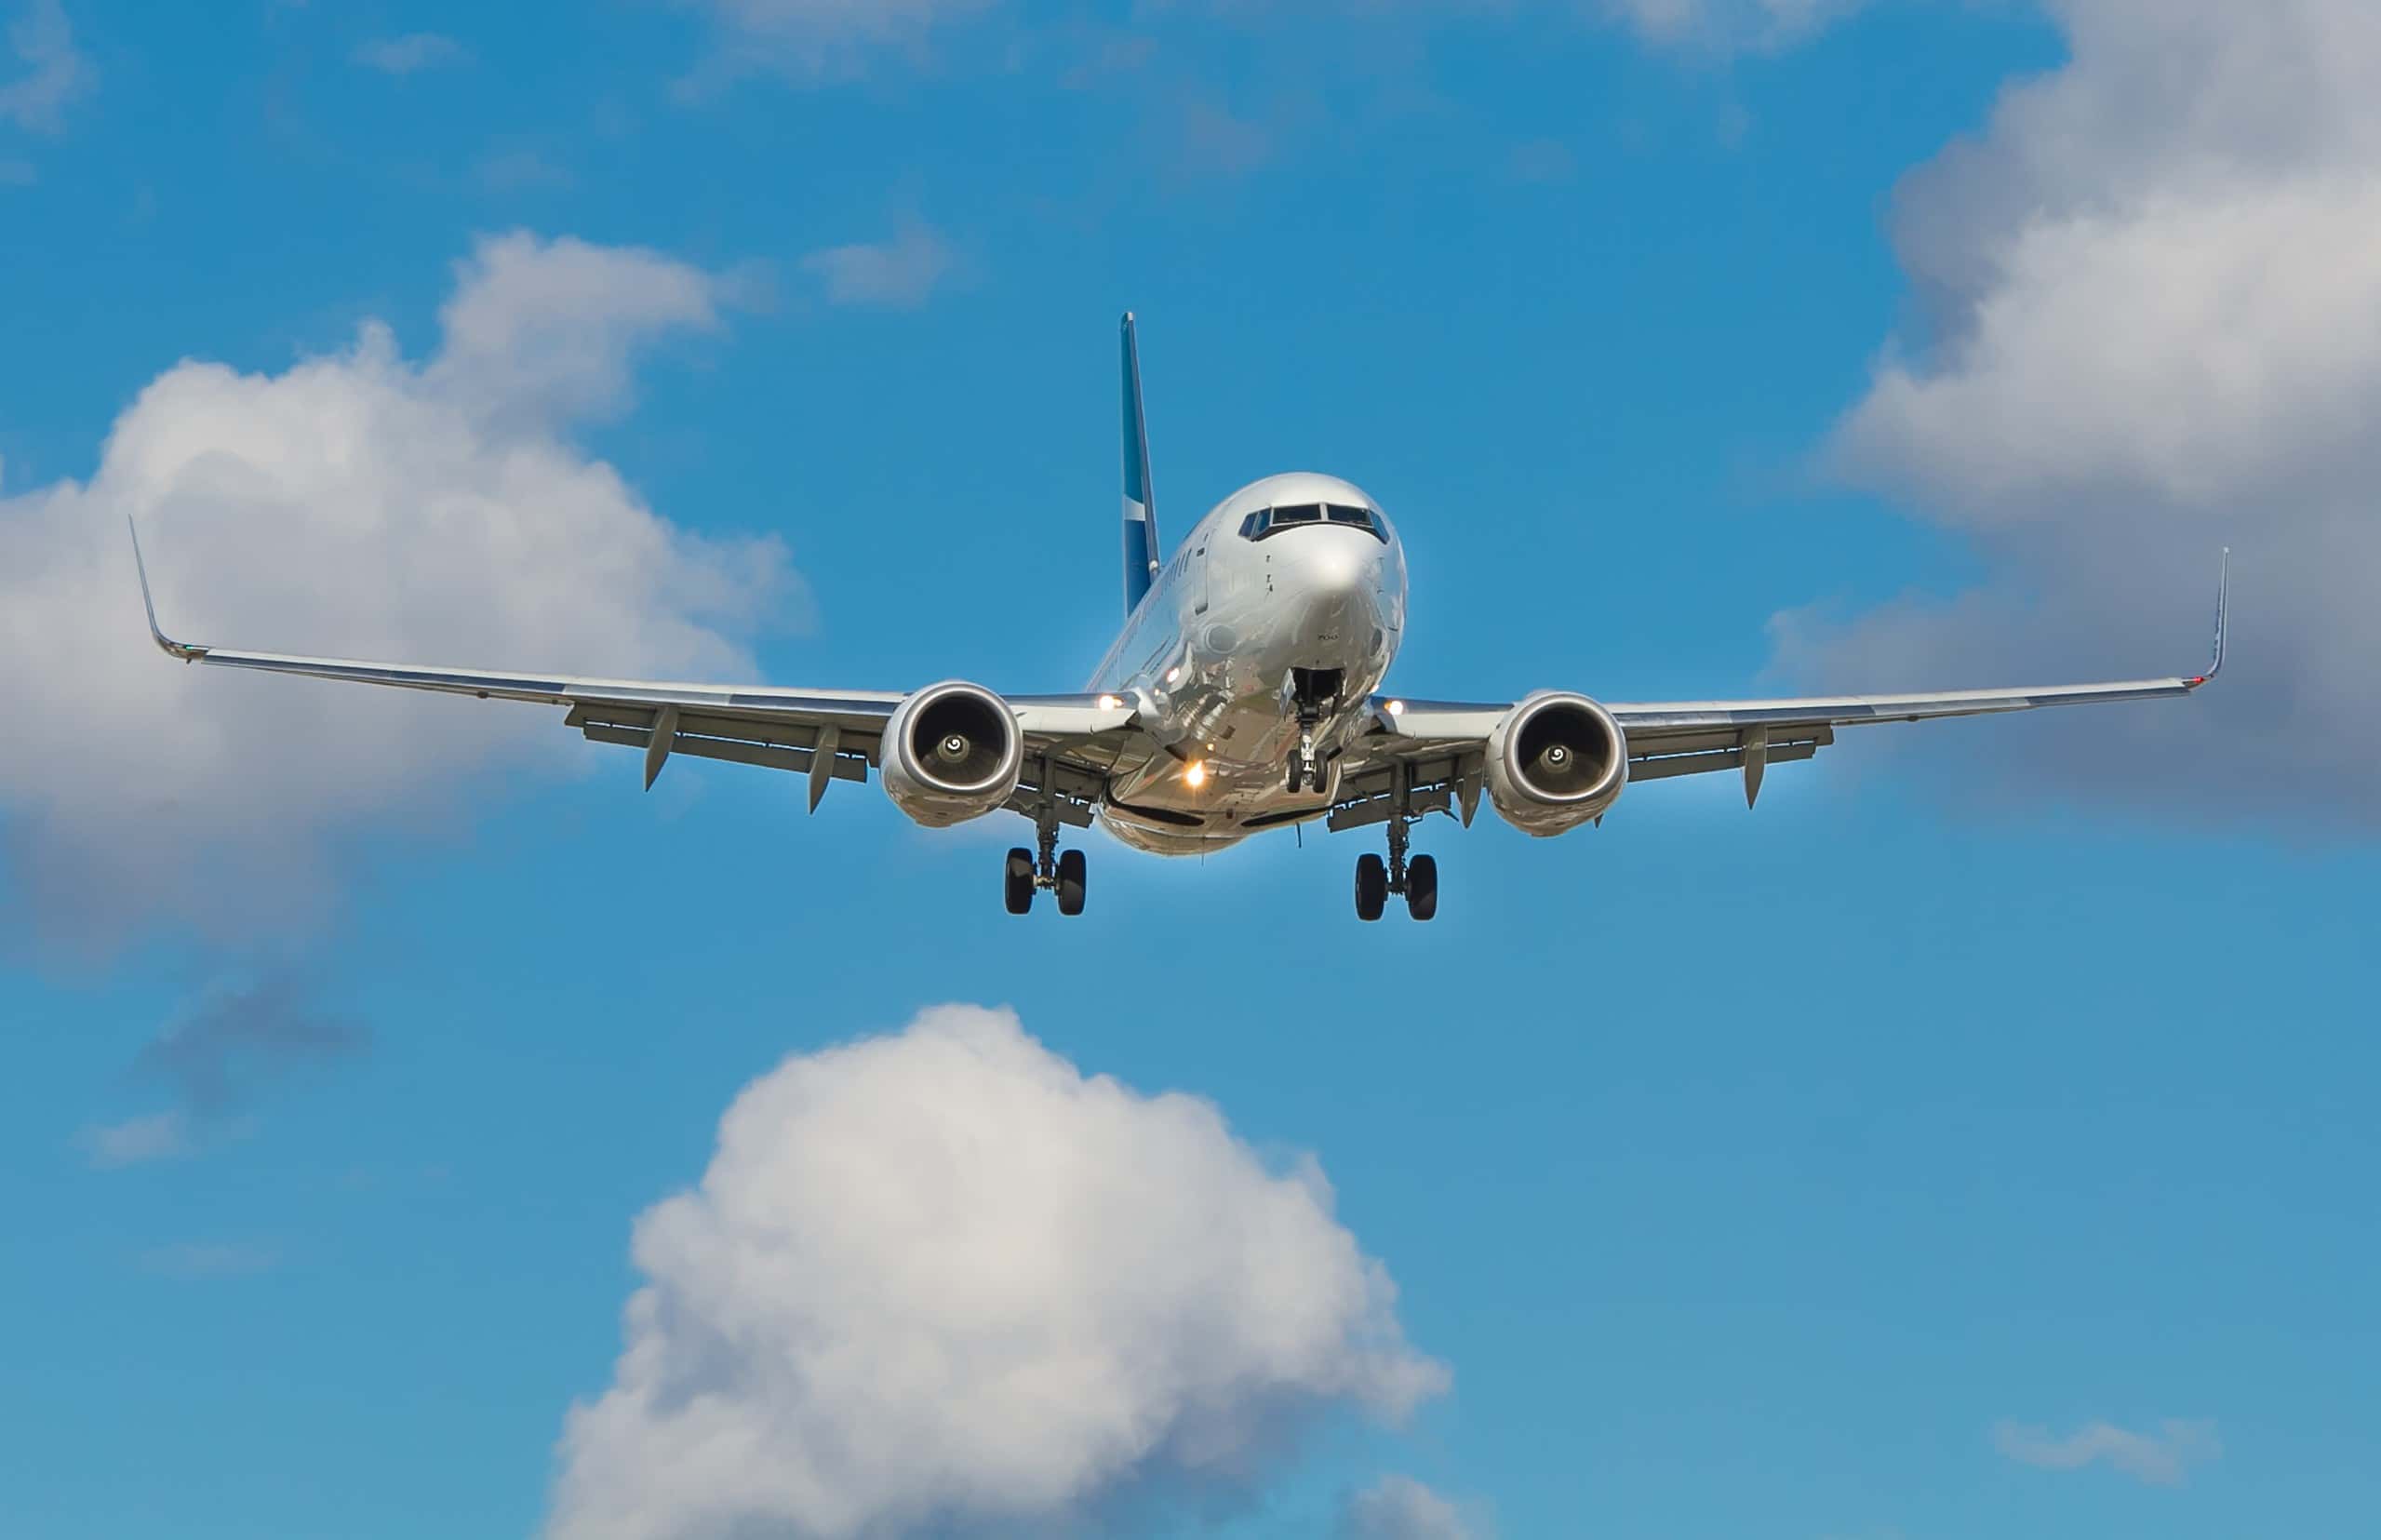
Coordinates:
900 273
1398 1507
2152 304
942 1280
411 53
2163 1458
54 70
360 504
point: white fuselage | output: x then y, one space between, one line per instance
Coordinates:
1219 651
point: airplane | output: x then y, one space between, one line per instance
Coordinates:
1244 693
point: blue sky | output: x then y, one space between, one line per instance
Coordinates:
1975 1140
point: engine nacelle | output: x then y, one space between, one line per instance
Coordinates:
951 752
1555 761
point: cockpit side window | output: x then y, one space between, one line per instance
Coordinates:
1341 514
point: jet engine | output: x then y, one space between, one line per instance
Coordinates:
1555 761
951 752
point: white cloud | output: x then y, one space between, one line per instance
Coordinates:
55 72
359 505
545 332
2162 1459
411 53
944 1280
2154 296
136 1140
900 273
1398 1507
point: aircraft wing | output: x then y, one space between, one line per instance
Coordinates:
1437 748
827 734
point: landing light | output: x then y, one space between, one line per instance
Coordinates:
1196 773
1397 708
1109 703
1174 675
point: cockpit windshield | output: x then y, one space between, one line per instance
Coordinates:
1267 522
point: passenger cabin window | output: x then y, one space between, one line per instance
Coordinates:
1267 522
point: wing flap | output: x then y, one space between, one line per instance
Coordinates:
846 767
1661 767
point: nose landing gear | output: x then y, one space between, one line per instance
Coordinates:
1315 690
1301 763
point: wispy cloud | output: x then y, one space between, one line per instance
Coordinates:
411 53
810 41
2163 1458
1728 25
1398 1507
901 273
210 1259
1542 161
1216 143
244 1033
232 1042
519 170
136 1140
43 41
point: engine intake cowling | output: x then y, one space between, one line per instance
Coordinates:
951 752
1556 761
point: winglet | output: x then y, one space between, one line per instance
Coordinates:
165 643
1140 564
2222 603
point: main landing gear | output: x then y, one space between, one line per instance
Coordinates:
1061 873
1415 879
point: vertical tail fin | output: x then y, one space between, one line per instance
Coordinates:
1140 512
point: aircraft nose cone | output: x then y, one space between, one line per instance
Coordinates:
1339 582
1341 569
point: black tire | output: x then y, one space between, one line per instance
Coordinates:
1070 882
1372 887
1017 882
1422 887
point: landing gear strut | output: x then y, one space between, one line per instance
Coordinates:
1414 877
1314 691
1045 867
